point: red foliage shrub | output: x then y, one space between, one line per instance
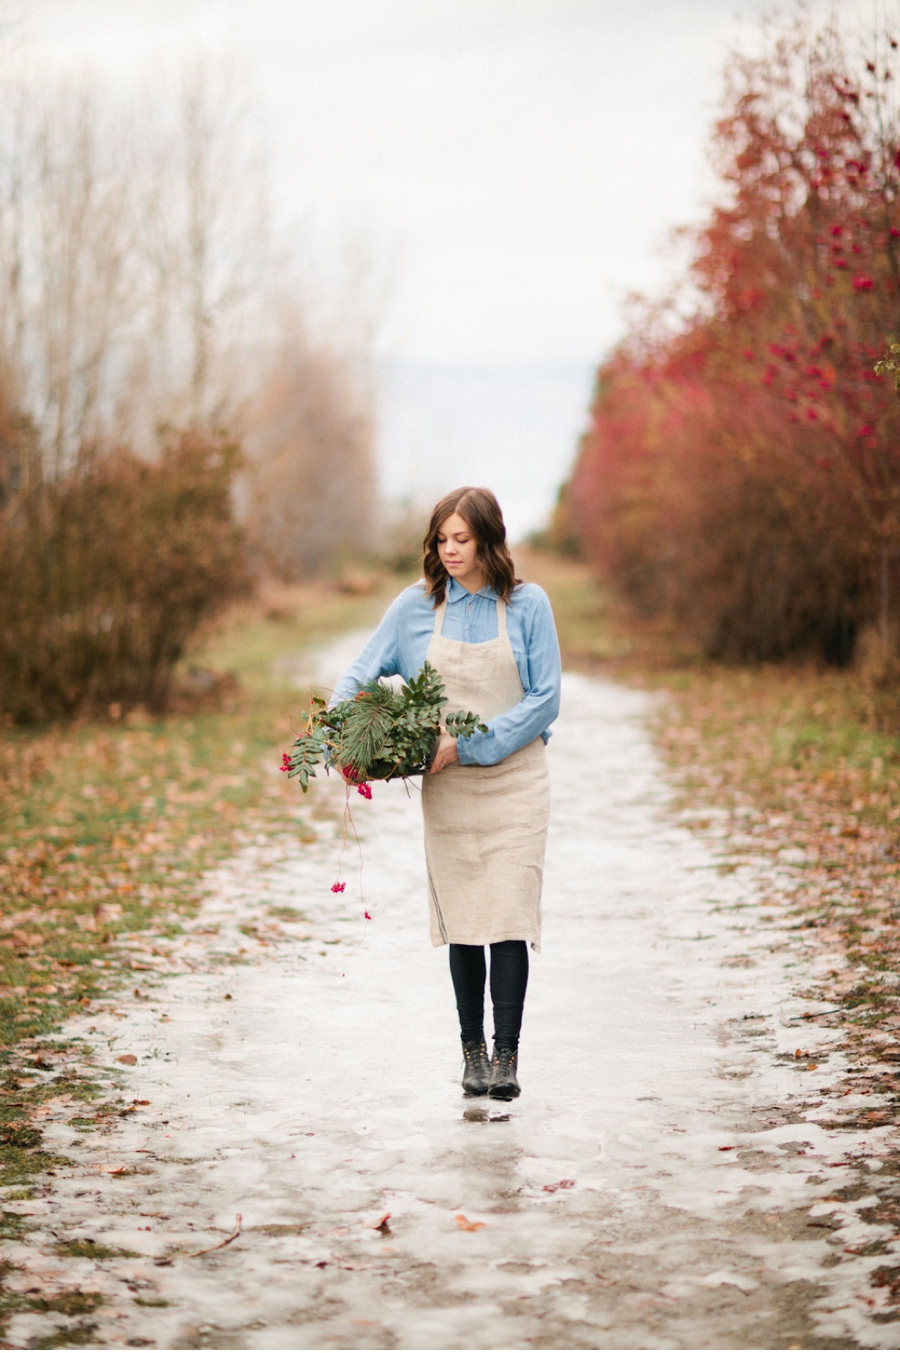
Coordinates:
742 468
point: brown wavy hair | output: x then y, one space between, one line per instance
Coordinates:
480 511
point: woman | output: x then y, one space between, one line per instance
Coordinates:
485 798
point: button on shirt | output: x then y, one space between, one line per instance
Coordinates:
400 646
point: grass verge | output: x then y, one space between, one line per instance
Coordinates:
106 828
798 765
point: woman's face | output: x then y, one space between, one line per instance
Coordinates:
457 550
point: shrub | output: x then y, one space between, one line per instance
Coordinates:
106 572
741 470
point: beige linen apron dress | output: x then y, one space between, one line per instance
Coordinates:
485 826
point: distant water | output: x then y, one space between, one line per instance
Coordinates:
514 428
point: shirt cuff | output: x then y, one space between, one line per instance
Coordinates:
466 752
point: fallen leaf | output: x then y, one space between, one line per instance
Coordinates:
140 1101
465 1225
26 939
382 1225
560 1184
726 1148
127 1059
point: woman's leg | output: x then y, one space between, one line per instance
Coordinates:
509 979
467 968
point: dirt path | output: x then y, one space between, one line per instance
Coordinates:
666 1180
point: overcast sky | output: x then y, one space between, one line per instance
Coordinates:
525 158
529 155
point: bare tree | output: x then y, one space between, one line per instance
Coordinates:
139 289
207 241
133 256
311 469
68 260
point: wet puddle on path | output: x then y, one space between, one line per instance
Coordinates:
666 1179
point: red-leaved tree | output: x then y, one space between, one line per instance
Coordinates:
742 468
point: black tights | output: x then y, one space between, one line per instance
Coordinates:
509 978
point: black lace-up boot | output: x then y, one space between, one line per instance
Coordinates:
477 1068
502 1083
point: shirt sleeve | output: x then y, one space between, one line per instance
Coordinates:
538 707
380 657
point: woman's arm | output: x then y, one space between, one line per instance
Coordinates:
539 706
380 657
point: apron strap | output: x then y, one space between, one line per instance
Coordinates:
439 618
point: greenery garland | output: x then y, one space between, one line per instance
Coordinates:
379 734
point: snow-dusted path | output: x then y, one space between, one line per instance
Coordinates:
653 1188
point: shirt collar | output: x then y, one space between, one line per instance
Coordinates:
455 591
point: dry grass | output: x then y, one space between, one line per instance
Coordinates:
106 826
800 765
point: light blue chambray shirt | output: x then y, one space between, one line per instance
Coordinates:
400 644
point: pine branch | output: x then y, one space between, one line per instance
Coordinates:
366 728
378 734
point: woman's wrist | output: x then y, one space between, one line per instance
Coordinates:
446 753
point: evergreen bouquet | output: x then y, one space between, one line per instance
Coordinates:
379 734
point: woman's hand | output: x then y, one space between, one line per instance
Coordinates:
445 754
